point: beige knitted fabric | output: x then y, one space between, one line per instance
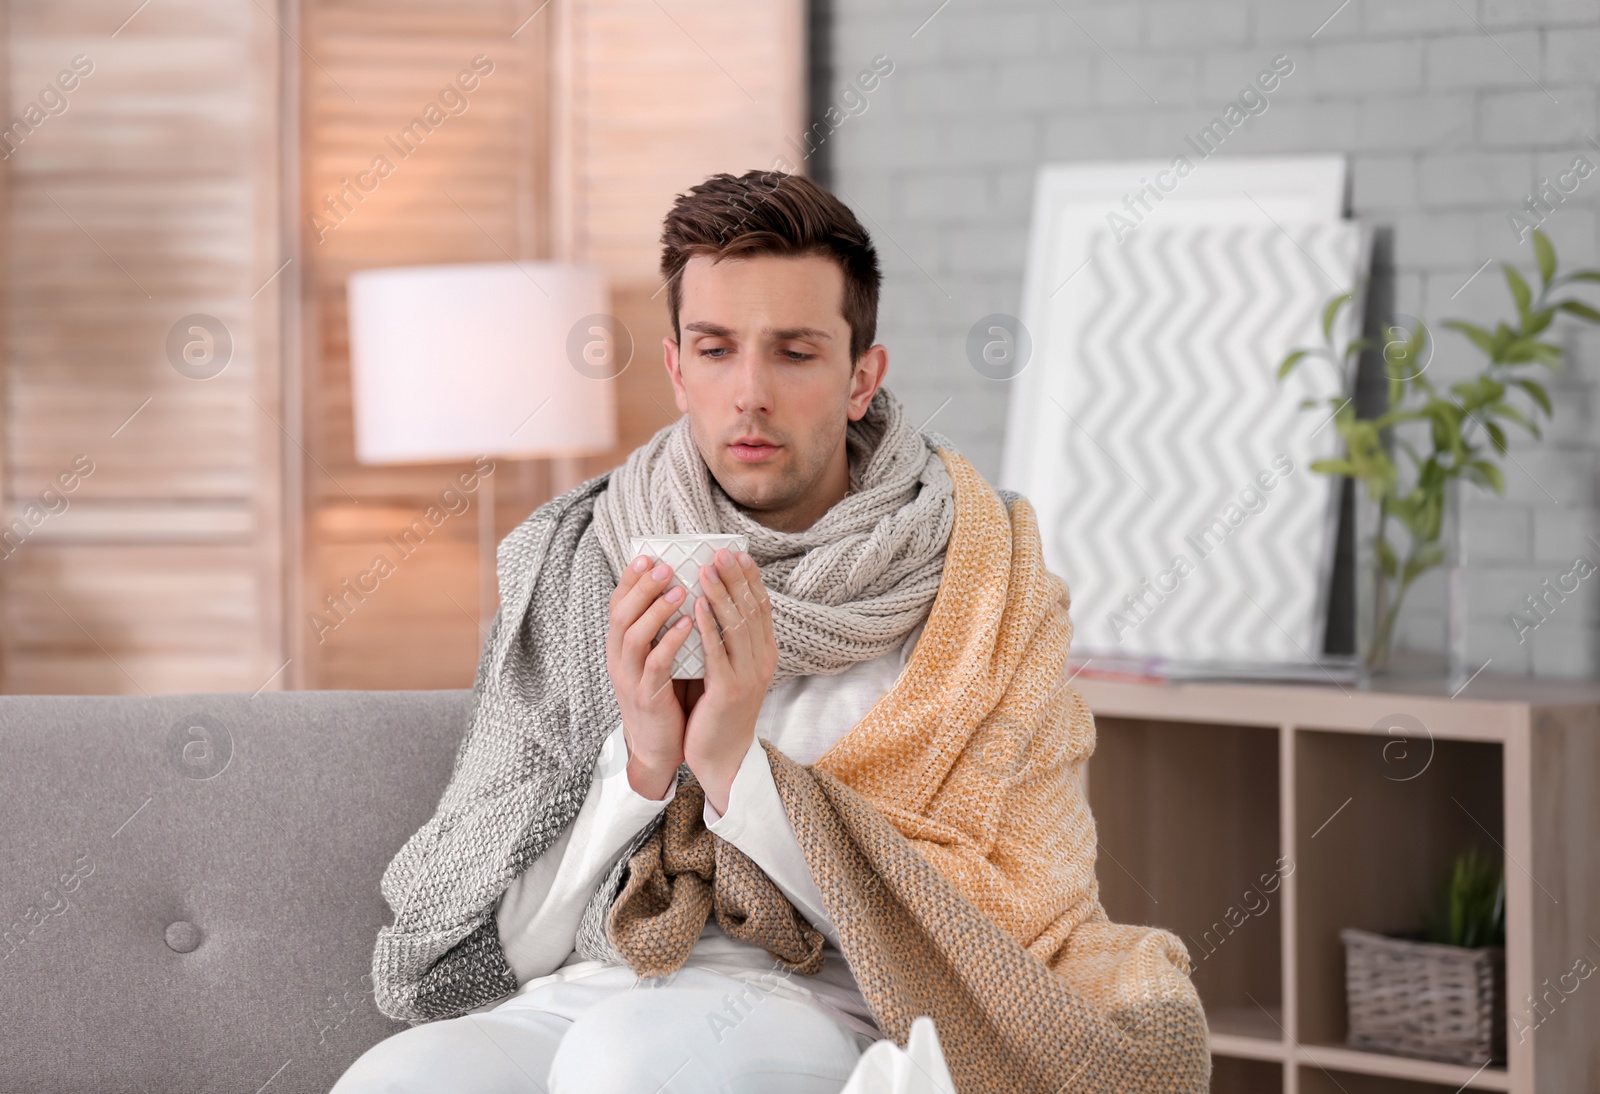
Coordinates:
683 874
846 589
954 850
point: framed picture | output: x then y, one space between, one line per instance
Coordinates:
1168 465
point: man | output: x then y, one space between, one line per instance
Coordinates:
822 790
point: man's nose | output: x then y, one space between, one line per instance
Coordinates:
753 389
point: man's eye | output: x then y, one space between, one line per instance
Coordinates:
707 352
796 355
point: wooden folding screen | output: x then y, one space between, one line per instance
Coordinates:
186 185
142 546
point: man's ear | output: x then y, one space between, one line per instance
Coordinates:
669 358
865 378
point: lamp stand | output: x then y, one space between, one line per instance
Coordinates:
564 472
488 594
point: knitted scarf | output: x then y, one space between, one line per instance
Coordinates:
543 703
846 589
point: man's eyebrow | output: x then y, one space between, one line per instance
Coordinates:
717 330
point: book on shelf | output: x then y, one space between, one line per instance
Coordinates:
1331 669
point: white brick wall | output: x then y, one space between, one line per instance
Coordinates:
1450 118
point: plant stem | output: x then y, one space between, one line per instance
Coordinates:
1385 635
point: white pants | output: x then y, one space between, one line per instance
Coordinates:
610 1034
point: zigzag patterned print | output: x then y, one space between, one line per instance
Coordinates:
1169 466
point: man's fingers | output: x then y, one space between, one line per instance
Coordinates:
631 573
635 592
636 641
744 582
727 610
765 633
758 588
716 656
657 672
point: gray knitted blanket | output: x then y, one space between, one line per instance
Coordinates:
543 703
521 772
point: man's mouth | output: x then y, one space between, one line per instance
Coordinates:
753 452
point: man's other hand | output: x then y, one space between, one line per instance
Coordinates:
740 663
653 717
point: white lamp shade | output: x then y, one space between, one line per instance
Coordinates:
455 362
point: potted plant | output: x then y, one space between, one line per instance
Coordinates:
1436 994
1462 433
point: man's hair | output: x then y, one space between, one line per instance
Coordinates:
773 213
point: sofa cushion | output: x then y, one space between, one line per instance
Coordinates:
190 882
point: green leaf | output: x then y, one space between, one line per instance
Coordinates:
1487 474
1470 392
1583 275
1538 321
1520 351
1480 337
1538 394
1287 364
1580 309
1446 425
1386 559
1422 560
1329 311
1506 410
1496 435
1469 910
1546 255
1333 467
1519 291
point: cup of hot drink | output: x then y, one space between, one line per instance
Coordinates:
686 553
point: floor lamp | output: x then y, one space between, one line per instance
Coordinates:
500 359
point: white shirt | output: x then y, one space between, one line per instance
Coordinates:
537 916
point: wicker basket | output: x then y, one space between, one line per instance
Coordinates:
1424 999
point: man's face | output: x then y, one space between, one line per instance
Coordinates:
765 356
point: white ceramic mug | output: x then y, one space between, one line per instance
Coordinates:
686 554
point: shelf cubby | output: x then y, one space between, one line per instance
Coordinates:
1378 822
1237 1075
1318 1080
1188 851
1359 799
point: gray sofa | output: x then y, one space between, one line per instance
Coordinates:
190 883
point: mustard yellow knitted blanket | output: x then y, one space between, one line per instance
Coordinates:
954 849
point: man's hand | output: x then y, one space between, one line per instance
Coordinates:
739 667
652 713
